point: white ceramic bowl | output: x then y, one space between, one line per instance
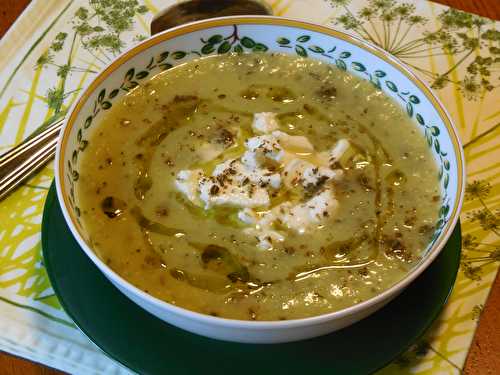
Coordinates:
263 34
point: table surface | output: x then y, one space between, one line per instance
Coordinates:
483 357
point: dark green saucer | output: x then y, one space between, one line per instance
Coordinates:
147 345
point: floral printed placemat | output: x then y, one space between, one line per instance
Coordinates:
57 46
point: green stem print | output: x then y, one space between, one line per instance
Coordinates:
38 311
35 44
482 135
472 39
479 253
97 28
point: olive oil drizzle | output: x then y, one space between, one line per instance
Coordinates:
183 106
380 214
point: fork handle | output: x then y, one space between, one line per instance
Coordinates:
21 161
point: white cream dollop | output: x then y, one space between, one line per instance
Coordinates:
303 216
299 171
272 160
264 122
187 183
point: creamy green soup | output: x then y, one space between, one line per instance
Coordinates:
258 187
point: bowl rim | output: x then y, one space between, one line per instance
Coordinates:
279 22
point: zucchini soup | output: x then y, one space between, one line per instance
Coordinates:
258 187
